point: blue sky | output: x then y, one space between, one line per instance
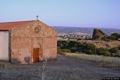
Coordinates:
73 13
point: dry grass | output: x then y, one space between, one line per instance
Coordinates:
43 70
112 62
99 43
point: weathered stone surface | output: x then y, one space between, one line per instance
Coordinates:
26 38
98 34
29 30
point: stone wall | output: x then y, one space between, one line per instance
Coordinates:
25 40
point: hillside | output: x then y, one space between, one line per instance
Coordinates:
103 44
62 29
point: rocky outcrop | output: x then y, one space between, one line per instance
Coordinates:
98 34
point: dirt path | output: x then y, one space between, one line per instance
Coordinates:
62 69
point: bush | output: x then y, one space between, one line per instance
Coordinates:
113 50
91 48
111 37
107 53
62 44
73 50
77 52
88 51
59 51
65 50
72 44
114 36
103 51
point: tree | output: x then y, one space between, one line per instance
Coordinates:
114 36
80 47
89 49
111 37
62 44
72 44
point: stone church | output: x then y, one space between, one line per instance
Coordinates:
27 41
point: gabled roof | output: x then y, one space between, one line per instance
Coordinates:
10 25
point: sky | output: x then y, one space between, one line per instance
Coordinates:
71 13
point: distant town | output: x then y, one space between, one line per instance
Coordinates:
74 37
80 33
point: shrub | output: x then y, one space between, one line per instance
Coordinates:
81 46
114 36
88 51
77 52
103 51
72 44
73 50
65 50
91 48
107 53
113 50
62 44
59 51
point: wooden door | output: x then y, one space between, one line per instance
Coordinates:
35 54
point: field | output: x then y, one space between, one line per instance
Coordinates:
64 68
110 62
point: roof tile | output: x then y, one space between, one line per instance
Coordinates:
10 25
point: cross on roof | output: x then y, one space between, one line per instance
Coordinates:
37 17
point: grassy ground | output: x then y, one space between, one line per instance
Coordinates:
111 62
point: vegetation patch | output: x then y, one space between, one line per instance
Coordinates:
114 36
87 48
